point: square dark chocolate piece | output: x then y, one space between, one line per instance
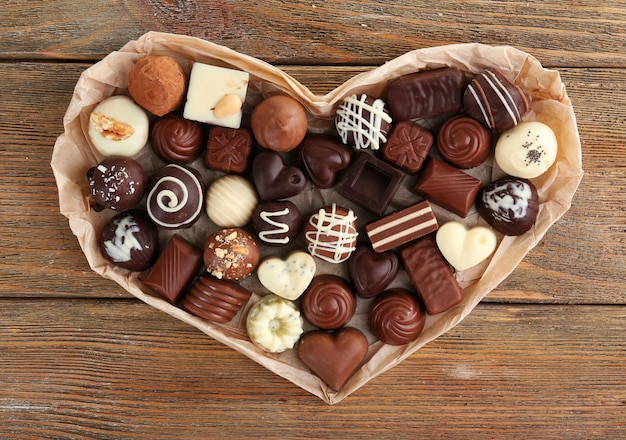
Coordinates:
174 270
372 183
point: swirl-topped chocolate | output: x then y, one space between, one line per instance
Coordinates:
177 139
328 303
464 142
396 317
175 196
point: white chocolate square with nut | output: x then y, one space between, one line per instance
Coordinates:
216 95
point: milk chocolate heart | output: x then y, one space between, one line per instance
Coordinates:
323 157
287 278
372 272
334 357
273 179
464 248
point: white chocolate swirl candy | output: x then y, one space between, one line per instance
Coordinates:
175 197
274 324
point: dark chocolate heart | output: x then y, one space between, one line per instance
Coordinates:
372 272
333 357
273 179
323 157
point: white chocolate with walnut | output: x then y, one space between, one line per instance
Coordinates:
216 95
118 127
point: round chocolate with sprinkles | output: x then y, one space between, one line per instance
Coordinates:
117 183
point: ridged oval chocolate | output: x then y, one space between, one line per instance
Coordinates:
329 302
396 317
177 139
130 240
495 100
215 300
509 205
464 142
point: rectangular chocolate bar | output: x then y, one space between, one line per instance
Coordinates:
402 227
426 93
431 275
175 268
447 186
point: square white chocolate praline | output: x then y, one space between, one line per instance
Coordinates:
208 85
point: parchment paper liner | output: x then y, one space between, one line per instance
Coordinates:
73 155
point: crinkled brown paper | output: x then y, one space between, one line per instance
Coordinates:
73 156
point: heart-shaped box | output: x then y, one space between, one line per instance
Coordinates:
73 156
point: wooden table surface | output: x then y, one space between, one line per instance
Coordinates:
543 356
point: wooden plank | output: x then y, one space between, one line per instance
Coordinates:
36 245
572 33
121 369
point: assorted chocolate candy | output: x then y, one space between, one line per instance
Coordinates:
283 202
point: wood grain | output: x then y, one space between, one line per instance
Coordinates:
552 272
560 33
119 368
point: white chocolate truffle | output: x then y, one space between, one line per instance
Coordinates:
216 95
287 278
526 150
118 127
464 248
274 324
230 201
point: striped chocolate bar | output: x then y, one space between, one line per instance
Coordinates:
402 227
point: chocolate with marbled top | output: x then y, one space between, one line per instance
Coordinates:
509 205
130 240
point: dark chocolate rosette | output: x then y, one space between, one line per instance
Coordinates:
464 142
396 317
177 139
328 303
175 196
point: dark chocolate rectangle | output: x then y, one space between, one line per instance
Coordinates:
174 269
431 275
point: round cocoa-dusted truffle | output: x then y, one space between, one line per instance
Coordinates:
158 84
509 205
396 317
117 183
277 223
331 233
329 302
177 139
495 100
231 254
130 240
279 123
175 196
215 300
363 121
464 142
